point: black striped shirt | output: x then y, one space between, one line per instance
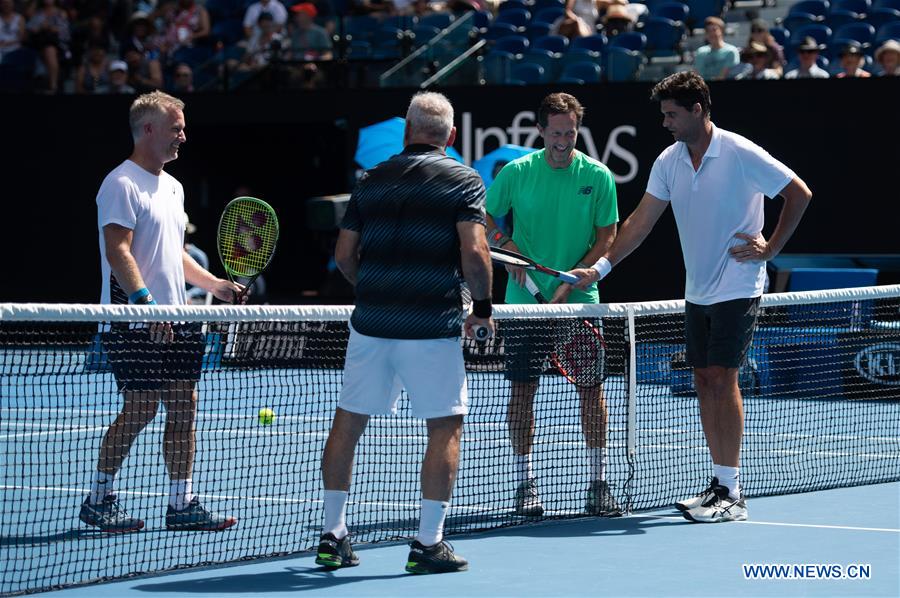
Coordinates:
406 210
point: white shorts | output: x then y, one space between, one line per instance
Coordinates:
431 370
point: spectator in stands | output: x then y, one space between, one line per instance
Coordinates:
251 17
182 79
888 58
586 10
852 60
572 26
12 28
93 72
265 41
308 40
144 74
140 35
807 53
757 62
190 27
618 18
49 34
92 31
714 60
420 8
759 32
118 79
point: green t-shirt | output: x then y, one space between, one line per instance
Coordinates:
555 215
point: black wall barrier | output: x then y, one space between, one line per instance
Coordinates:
841 136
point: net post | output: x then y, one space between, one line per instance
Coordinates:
631 400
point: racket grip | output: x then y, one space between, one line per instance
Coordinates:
481 333
569 278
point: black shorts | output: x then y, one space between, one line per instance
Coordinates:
526 346
140 364
720 334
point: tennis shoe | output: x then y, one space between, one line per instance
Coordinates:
108 516
719 508
196 518
527 502
698 500
438 558
334 553
600 501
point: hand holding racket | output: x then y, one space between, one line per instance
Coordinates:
579 351
511 258
247 235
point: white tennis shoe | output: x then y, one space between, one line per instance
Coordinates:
698 500
718 509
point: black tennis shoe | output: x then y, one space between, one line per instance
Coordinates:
438 558
600 500
334 553
109 516
196 518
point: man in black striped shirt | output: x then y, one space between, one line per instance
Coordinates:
414 229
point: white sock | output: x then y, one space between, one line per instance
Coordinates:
730 477
431 521
336 513
524 470
597 458
181 492
101 485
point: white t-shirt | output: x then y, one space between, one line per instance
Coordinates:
153 207
722 198
273 7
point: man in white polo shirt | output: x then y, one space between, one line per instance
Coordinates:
716 182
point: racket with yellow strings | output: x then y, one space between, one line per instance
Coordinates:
247 235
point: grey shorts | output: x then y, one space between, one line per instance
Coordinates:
720 334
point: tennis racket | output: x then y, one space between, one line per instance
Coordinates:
511 258
579 351
247 235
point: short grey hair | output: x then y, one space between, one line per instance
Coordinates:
430 116
148 107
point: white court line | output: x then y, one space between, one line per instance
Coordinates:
810 525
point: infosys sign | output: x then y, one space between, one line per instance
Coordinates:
879 363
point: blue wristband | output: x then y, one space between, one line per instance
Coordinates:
138 295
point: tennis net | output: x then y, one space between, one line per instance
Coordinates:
821 387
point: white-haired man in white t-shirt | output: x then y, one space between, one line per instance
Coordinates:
716 182
141 222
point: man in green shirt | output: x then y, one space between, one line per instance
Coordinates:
564 214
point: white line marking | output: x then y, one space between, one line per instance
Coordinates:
811 525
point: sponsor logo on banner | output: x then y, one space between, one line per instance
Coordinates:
879 364
523 131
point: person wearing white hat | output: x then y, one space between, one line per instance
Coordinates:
118 79
888 57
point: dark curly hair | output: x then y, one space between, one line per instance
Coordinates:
686 89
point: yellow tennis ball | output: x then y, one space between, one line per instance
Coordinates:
266 416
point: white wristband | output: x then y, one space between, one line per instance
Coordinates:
603 267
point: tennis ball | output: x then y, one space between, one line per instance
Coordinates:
266 416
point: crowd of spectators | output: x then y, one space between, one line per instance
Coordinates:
133 46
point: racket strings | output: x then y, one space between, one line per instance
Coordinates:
578 352
247 237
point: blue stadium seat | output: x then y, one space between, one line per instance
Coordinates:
630 40
781 35
795 21
861 32
882 15
361 27
549 14
535 30
512 5
595 43
588 72
528 73
497 30
821 33
424 33
895 4
539 4
623 64
441 20
386 35
514 44
482 19
817 8
700 9
886 32
518 17
664 37
677 11
402 22
228 31
555 43
860 7
549 61
840 17
359 48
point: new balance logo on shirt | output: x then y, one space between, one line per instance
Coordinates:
585 190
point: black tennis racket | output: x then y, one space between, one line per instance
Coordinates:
511 258
579 351
247 235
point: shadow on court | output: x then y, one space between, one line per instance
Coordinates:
590 526
290 579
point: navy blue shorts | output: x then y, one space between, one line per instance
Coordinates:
720 334
140 364
526 346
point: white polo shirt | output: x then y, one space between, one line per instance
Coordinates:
153 207
722 198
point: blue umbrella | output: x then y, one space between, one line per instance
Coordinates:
382 140
505 153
